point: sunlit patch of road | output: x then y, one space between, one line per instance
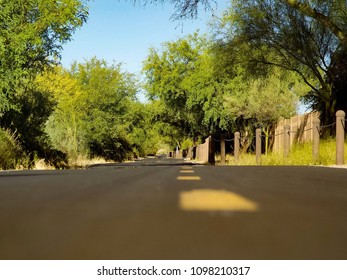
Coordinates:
211 199
214 200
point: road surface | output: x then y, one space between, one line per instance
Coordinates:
169 209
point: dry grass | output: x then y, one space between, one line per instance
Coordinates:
85 161
11 155
80 162
41 165
299 155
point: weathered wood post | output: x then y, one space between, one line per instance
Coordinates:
286 140
340 137
257 146
211 151
315 144
237 147
190 153
222 149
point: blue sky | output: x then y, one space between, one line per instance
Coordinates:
119 31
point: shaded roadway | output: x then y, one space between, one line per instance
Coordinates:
133 211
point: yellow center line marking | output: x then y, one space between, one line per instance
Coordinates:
188 178
214 200
187 171
186 167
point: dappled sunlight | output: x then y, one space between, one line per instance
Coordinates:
215 200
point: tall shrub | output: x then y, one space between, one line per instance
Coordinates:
10 151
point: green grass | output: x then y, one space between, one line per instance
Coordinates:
300 154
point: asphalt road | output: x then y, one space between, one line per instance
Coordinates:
168 209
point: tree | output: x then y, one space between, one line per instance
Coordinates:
182 77
262 102
27 122
281 36
185 8
32 33
331 14
145 129
310 35
65 125
95 110
108 92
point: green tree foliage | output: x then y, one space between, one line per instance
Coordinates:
203 88
32 33
331 14
27 122
262 102
108 92
181 76
65 124
97 114
95 111
144 129
283 36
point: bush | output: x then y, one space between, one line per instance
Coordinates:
10 151
56 159
115 149
186 144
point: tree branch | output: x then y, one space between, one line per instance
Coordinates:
325 20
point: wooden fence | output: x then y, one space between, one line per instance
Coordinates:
298 129
203 152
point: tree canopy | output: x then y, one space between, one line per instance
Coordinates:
276 34
184 8
181 76
331 14
32 33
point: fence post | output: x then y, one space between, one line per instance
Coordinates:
286 140
211 152
222 149
257 145
315 144
190 153
340 137
237 147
